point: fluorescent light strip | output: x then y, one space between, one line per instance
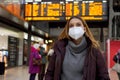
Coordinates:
91 1
49 2
35 3
61 2
85 1
43 2
66 2
104 1
75 2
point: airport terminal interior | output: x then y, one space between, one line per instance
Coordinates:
23 22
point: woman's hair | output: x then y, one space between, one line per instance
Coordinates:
64 33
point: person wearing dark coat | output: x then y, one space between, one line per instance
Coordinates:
43 54
116 59
77 55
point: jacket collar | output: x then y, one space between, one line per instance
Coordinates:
63 43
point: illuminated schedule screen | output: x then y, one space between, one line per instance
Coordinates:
89 10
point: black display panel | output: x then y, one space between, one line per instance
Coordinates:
13 51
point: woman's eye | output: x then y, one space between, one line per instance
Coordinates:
78 24
71 26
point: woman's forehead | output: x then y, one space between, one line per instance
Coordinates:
75 20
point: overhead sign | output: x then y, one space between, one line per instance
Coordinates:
90 10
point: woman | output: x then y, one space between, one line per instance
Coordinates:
76 55
34 61
50 52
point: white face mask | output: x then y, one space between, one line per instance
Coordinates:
76 32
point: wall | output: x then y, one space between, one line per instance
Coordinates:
4 33
3 42
20 53
55 31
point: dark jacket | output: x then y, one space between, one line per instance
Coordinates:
43 55
116 58
94 66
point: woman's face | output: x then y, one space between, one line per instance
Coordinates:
76 29
75 22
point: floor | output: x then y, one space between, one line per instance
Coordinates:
21 73
17 73
113 75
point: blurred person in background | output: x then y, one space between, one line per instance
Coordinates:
116 66
34 61
43 54
77 55
51 51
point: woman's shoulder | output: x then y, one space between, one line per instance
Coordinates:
62 42
96 51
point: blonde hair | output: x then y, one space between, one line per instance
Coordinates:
64 33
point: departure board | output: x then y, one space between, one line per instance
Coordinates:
63 10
